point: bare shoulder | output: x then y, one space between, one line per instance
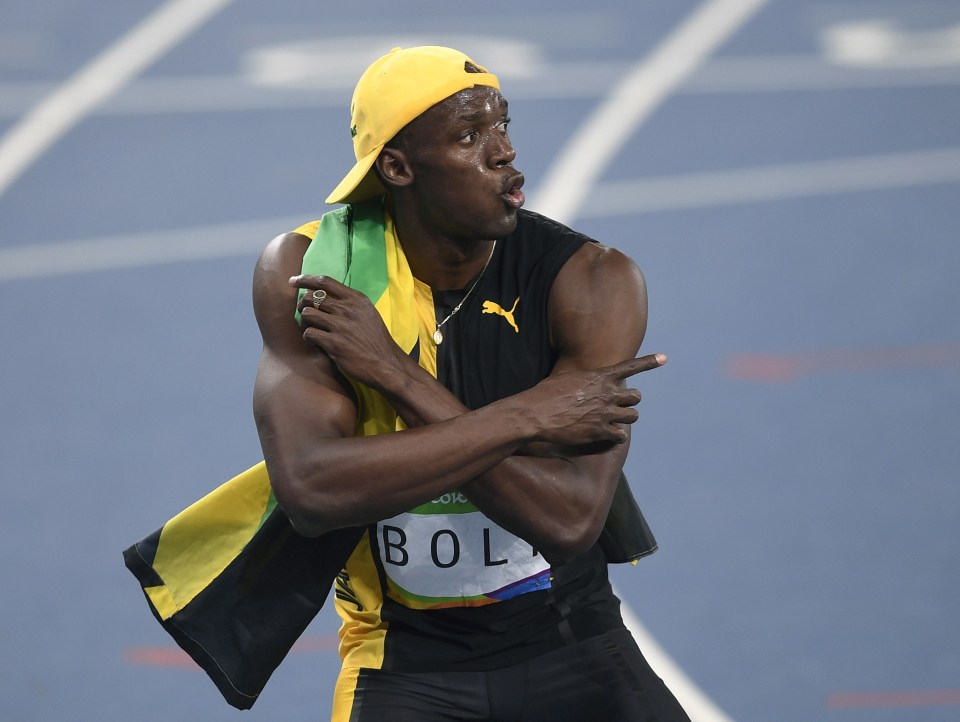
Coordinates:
274 299
290 370
594 263
598 306
285 249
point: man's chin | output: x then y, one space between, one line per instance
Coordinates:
508 224
487 229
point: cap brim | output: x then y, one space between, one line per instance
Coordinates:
361 183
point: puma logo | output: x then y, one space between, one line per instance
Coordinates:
492 307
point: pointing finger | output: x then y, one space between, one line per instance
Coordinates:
633 366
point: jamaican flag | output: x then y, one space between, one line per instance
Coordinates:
228 577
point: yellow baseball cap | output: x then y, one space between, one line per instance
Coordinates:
393 91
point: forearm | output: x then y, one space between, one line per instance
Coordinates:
536 493
329 483
580 415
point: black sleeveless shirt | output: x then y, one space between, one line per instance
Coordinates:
495 346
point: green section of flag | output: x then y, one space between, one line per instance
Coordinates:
271 505
368 264
350 249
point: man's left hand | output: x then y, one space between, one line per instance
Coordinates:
348 328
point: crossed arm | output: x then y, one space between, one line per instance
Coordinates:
543 464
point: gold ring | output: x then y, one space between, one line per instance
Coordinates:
318 297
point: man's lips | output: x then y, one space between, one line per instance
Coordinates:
512 193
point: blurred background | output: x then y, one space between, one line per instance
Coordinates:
785 172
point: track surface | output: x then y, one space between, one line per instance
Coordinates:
792 198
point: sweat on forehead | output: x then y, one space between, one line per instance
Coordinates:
467 105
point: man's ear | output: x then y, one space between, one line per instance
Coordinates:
394 168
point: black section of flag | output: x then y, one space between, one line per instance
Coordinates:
241 626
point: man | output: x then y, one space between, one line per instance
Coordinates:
498 347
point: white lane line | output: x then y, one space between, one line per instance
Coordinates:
185 94
97 81
795 73
697 705
579 166
588 153
776 182
200 243
646 195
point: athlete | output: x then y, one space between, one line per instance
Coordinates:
454 383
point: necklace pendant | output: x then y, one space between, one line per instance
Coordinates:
437 337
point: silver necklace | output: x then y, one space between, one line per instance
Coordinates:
438 335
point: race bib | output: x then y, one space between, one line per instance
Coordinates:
446 553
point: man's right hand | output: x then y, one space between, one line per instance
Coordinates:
573 408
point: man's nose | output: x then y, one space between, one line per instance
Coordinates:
503 152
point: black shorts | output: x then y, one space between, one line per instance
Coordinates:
601 678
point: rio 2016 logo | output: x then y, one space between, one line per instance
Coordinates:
453 497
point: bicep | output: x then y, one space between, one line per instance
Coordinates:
597 309
299 396
598 313
296 400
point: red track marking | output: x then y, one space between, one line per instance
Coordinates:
903 698
174 657
783 368
160 657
